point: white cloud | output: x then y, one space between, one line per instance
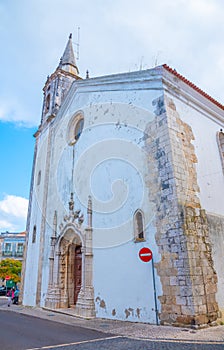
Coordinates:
116 36
203 7
6 226
13 111
13 213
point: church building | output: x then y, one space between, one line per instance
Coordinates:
126 209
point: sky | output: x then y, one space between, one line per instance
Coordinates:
115 36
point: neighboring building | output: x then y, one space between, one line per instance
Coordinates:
12 245
123 162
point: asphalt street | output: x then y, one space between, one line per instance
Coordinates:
133 344
32 328
23 332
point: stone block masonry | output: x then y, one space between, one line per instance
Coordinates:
186 270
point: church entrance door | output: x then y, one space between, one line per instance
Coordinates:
78 272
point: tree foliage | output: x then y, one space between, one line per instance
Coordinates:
12 268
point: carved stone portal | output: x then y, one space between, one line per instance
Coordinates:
71 268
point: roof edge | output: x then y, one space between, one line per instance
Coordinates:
193 86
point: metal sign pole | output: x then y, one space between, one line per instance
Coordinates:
146 255
154 287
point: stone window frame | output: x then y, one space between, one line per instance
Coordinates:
139 236
220 141
34 236
73 125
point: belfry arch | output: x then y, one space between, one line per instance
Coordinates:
70 282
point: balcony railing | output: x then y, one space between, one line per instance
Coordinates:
7 253
12 254
19 254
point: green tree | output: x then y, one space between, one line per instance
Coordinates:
12 268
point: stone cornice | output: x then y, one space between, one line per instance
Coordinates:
60 72
157 78
43 127
149 75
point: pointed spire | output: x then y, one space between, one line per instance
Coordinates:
68 62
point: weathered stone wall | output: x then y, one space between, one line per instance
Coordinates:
201 274
198 305
167 220
186 269
216 234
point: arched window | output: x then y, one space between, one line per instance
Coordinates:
75 128
48 102
139 226
220 139
34 234
78 128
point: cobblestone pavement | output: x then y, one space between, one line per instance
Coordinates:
137 331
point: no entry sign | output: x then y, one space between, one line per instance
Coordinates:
145 254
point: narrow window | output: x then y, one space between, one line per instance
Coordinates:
75 128
7 250
8 247
139 226
220 140
48 102
34 234
19 251
38 178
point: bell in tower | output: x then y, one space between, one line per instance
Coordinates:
59 83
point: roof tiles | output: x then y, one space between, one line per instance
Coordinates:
193 86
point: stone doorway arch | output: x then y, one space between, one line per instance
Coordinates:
71 285
70 268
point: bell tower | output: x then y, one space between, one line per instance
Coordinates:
59 83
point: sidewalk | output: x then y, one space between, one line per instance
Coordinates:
124 328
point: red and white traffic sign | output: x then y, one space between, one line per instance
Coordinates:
145 254
7 278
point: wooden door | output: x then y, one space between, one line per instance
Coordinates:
78 272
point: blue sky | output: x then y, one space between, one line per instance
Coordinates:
17 144
115 36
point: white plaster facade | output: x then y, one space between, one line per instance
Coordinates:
126 159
